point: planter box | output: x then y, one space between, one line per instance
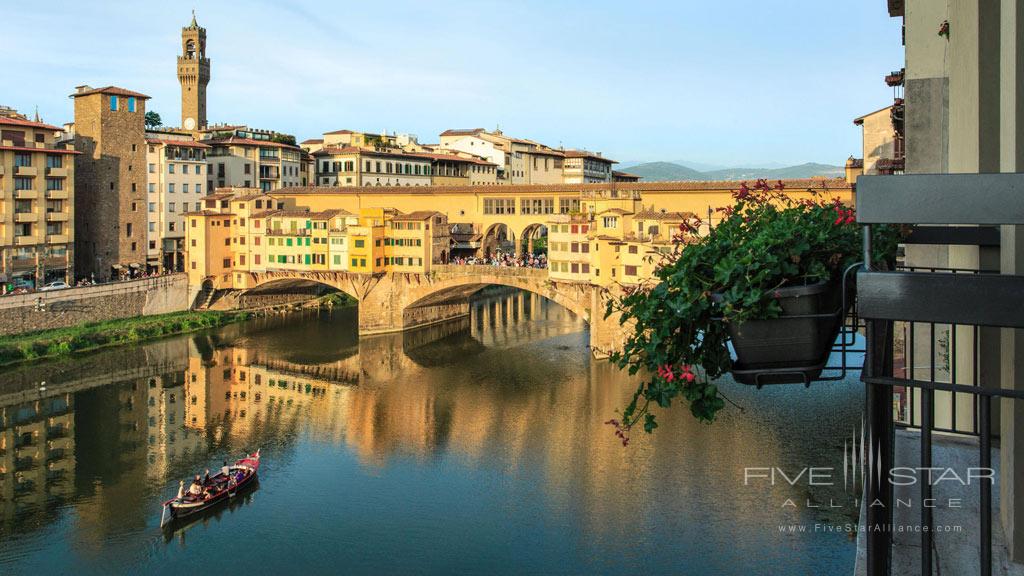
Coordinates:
794 347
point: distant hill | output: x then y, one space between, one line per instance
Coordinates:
807 170
665 171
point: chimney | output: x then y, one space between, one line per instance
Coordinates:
82 88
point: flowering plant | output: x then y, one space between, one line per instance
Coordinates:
765 241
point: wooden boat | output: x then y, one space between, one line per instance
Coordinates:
219 488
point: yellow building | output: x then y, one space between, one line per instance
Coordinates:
613 241
37 182
244 231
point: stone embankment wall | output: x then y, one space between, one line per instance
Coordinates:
72 306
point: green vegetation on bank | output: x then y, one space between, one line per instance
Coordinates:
91 335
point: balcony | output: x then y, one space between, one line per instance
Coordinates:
958 211
26 194
26 217
25 240
25 171
22 262
57 194
56 238
56 216
57 172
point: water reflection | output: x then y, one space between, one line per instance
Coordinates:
488 431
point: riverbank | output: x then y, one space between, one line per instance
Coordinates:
60 342
92 335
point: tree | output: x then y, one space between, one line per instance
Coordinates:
153 119
284 139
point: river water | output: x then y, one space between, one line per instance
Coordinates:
475 447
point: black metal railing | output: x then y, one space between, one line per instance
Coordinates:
939 299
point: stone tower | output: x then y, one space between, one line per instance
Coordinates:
194 75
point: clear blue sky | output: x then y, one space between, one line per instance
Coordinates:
732 82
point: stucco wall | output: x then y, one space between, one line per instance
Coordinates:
23 313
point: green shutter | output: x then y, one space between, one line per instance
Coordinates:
307 259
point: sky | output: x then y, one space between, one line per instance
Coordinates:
726 83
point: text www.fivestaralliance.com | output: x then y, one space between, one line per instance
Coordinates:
801 528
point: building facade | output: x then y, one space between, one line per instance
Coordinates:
248 158
238 232
176 173
37 203
110 181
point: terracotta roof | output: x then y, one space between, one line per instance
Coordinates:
186 143
614 211
206 213
339 132
301 213
587 154
451 157
334 150
7 120
659 215
249 142
801 184
110 90
313 141
625 174
547 152
40 150
218 196
417 215
462 132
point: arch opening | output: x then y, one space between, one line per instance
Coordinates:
498 238
534 240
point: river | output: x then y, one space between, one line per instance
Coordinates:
474 447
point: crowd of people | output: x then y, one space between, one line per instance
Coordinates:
504 259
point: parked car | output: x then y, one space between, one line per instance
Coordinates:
55 285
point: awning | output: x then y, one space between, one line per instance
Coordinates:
133 265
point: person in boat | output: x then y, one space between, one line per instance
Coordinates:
181 489
196 489
225 470
206 477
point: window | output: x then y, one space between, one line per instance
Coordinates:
128 230
113 103
22 159
54 161
630 271
54 183
610 221
227 262
152 208
184 188
170 187
360 243
632 249
499 205
585 247
152 168
170 207
152 226
256 257
131 105
170 168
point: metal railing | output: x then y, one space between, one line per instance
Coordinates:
934 298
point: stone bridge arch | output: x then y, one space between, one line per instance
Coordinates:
400 301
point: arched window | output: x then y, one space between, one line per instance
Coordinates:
190 50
